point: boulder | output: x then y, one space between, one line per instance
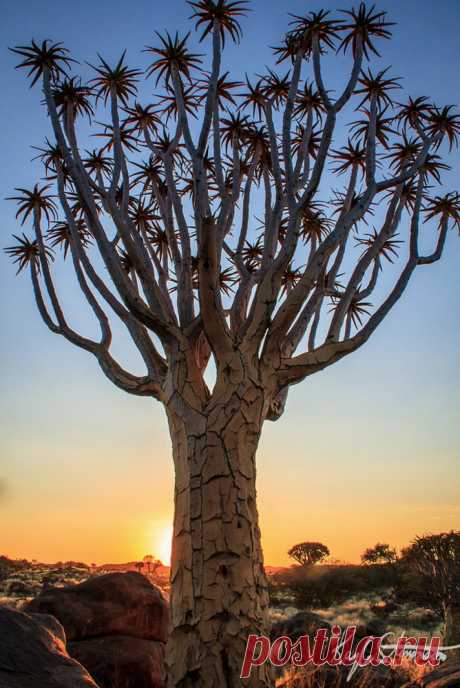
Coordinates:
115 604
52 625
122 661
116 626
32 655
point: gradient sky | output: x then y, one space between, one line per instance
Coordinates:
368 450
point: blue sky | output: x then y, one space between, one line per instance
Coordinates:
368 450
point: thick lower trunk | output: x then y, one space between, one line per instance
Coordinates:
218 584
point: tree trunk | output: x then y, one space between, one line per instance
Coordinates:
218 584
451 634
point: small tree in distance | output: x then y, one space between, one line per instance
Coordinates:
379 554
207 226
309 553
151 563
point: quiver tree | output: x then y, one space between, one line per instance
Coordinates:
309 553
435 559
151 563
203 225
381 553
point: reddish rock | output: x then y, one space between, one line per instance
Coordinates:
52 625
122 661
116 625
32 655
115 604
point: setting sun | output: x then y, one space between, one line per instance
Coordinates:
162 545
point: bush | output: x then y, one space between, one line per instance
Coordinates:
324 586
9 566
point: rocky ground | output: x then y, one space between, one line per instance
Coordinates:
94 628
114 625
21 581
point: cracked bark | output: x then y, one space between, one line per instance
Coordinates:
218 585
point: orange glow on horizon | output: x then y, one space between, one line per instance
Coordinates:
163 544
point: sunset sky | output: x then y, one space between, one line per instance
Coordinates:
368 450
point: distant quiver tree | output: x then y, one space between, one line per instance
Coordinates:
308 553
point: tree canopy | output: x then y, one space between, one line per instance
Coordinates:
204 221
435 559
309 553
381 553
